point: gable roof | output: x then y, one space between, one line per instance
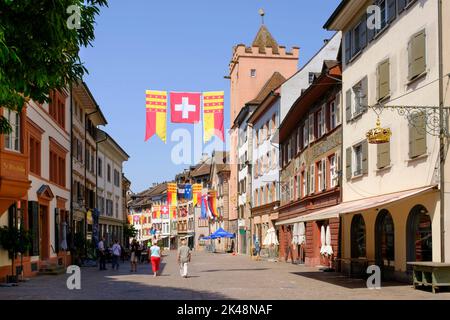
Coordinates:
274 82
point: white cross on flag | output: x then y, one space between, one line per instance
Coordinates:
185 107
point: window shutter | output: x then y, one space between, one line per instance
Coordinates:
417 56
324 174
401 4
364 94
370 32
308 187
383 80
363 33
56 230
313 178
33 225
348 46
392 12
348 163
417 136
365 157
383 155
337 103
348 105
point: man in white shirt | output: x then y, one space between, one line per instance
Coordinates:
116 250
101 253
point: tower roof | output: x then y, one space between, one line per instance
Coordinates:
264 39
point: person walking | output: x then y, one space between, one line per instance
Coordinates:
102 253
133 259
155 257
183 258
116 251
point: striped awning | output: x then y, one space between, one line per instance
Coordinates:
382 201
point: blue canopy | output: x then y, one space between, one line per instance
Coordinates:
220 233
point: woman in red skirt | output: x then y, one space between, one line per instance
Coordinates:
155 257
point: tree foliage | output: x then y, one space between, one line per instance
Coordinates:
38 51
129 231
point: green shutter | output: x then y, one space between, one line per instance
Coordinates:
33 226
365 157
383 155
417 136
417 62
56 230
348 105
364 94
383 80
348 163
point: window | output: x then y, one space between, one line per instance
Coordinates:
383 155
253 73
57 108
116 178
305 134
333 115
57 164
311 127
274 124
358 160
322 175
383 82
312 177
417 55
100 167
333 171
311 77
358 237
384 236
356 99
417 135
35 155
12 140
321 122
108 172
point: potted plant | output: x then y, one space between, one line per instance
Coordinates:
14 241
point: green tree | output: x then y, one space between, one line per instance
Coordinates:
39 48
129 231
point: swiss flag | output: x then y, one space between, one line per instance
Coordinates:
164 212
185 107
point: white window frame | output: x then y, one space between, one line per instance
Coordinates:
311 128
333 115
305 134
357 163
312 179
12 140
333 171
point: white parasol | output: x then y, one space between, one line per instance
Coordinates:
301 233
271 238
295 235
328 248
322 240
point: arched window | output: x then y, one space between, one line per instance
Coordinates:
419 235
358 237
385 248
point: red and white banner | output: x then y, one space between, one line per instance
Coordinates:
185 107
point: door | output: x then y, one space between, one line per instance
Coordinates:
44 240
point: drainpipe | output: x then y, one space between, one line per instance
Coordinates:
71 222
86 117
442 132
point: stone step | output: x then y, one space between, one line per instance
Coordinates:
51 270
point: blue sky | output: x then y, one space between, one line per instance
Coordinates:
177 45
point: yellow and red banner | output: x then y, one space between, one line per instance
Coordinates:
172 194
156 114
156 212
213 103
130 219
196 193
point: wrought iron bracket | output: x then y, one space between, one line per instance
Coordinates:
417 115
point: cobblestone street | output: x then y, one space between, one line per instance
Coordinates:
212 276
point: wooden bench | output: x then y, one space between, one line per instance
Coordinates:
431 274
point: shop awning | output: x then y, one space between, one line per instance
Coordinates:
380 202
